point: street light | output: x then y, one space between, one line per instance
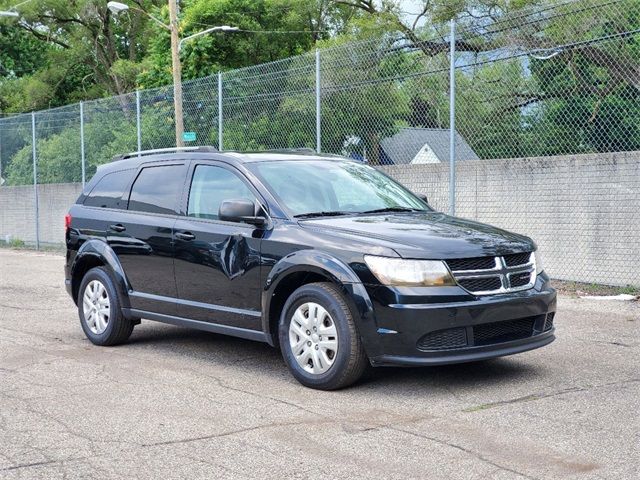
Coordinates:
176 68
117 7
222 28
12 12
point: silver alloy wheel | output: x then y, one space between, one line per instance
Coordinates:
313 338
95 306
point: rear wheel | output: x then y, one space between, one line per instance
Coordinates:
319 339
99 309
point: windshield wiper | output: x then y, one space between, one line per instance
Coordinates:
322 214
394 209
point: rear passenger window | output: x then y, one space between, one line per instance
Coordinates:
157 189
108 191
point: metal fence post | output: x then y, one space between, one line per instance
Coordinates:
138 126
82 157
220 147
452 119
318 114
35 177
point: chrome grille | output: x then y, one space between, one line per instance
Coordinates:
481 284
491 275
478 263
519 279
517 259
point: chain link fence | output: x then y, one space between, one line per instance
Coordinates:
543 98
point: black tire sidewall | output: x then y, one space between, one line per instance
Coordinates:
114 306
313 293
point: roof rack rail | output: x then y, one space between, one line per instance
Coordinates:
302 150
206 149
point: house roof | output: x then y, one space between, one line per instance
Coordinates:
402 147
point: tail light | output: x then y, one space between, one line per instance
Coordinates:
67 222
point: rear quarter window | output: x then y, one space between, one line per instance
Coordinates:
109 190
157 189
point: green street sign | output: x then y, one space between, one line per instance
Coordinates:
189 136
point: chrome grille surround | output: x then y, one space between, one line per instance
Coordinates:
501 271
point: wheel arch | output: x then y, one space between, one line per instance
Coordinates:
310 266
96 253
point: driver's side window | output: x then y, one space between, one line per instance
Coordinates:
212 185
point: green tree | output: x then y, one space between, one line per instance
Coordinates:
71 50
270 30
20 53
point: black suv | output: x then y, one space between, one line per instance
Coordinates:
327 258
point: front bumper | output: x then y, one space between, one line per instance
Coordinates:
451 328
469 354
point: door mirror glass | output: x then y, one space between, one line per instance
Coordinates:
241 210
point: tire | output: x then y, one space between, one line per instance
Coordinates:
97 326
323 370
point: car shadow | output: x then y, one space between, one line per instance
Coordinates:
229 351
480 374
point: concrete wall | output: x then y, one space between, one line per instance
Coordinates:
582 210
17 211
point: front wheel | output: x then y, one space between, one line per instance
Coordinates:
319 340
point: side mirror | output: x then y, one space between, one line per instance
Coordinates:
423 197
241 210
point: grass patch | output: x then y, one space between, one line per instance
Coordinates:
16 243
578 289
19 244
13 243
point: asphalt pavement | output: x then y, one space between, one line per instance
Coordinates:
175 403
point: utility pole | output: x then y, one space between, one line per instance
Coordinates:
452 118
176 70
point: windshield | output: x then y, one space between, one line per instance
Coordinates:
322 187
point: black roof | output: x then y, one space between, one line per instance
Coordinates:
403 147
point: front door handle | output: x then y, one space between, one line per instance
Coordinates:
187 236
118 227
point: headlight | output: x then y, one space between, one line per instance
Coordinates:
539 267
409 273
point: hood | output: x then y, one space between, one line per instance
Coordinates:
426 234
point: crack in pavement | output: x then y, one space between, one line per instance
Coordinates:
233 432
325 420
467 451
37 464
540 396
31 309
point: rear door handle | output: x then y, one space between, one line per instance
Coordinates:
185 236
118 227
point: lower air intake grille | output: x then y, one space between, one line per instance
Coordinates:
498 332
444 339
548 323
